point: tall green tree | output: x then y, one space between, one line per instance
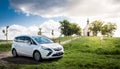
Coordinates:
68 28
64 27
96 27
108 29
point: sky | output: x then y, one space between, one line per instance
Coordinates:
26 16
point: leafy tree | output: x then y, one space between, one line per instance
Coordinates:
39 32
108 29
52 32
96 27
6 32
64 27
68 28
76 29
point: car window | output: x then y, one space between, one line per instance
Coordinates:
42 40
19 39
24 39
28 39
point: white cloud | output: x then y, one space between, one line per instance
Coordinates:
50 25
47 27
74 8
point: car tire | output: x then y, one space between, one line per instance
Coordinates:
37 56
14 53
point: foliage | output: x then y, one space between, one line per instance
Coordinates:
52 32
105 29
5 32
108 29
39 32
96 27
68 28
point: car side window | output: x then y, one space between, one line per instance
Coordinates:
25 39
33 42
28 39
19 39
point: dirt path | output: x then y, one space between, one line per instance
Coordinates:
5 54
67 41
6 57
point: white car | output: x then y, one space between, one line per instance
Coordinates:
38 47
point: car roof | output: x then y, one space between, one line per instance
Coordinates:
29 36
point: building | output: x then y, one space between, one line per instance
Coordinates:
86 31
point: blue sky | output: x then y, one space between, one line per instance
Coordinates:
8 16
36 12
27 16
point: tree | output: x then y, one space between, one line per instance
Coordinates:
39 32
52 32
6 32
108 29
68 28
96 27
64 27
76 29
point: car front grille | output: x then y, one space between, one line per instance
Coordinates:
58 54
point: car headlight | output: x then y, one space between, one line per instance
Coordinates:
48 49
45 48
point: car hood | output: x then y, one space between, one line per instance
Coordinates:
52 45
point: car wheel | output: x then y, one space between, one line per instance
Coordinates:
37 56
14 53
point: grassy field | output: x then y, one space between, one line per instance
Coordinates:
5 46
83 53
61 39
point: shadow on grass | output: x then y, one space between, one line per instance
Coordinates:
27 60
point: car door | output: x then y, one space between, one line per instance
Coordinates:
28 46
19 43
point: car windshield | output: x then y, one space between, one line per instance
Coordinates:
42 40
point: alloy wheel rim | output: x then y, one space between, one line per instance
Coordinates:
14 53
37 56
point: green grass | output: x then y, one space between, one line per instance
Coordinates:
5 47
61 39
4 41
82 53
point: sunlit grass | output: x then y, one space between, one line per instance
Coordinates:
61 39
83 53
